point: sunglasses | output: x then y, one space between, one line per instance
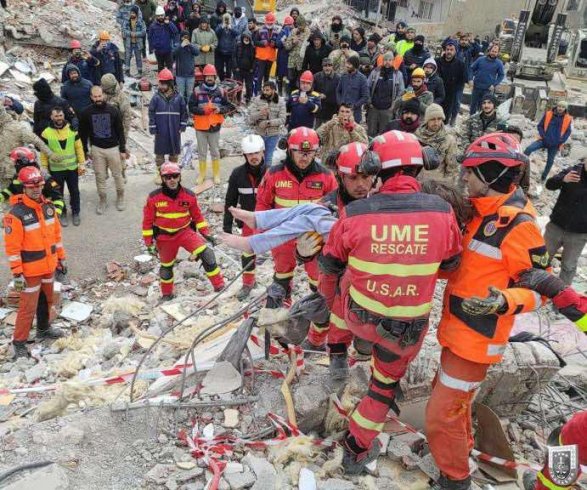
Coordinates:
171 176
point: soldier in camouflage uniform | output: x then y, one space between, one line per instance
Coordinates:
483 122
296 45
433 133
339 56
340 130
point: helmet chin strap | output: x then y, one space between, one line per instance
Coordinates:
488 184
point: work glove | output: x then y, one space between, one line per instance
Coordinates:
540 281
81 169
494 304
152 250
19 283
211 239
308 245
62 267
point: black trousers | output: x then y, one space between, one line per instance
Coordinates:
223 64
164 60
71 178
3 3
264 69
247 78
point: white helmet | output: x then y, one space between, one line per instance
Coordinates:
252 143
159 10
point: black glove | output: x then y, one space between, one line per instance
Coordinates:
540 281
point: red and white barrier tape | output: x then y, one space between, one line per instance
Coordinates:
275 350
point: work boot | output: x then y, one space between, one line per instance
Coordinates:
50 333
102 204
63 221
355 464
339 366
20 349
244 292
216 171
76 220
529 480
307 345
363 348
444 483
167 297
202 174
120 204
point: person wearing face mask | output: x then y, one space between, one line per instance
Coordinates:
483 122
242 190
172 219
101 127
267 115
433 133
87 64
133 34
415 57
162 37
488 73
406 44
46 101
409 119
239 20
167 119
244 63
336 31
109 56
208 104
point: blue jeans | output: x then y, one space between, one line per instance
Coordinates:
185 87
476 99
270 144
135 50
551 152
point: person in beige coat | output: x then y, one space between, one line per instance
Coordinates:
267 115
206 41
340 130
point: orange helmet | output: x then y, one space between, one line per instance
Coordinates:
303 139
355 158
31 177
500 147
165 75
23 156
170 168
307 77
398 149
209 71
104 36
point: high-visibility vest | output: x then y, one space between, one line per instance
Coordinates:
54 144
567 120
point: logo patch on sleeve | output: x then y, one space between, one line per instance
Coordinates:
539 257
314 185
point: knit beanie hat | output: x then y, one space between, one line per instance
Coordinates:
390 46
419 38
388 56
563 103
490 97
345 39
412 105
497 176
355 61
433 111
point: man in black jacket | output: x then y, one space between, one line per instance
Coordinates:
568 222
316 51
454 76
325 83
101 127
242 189
46 101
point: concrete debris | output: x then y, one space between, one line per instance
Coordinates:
239 481
222 378
76 312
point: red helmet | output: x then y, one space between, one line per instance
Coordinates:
288 21
270 18
398 149
355 158
31 177
307 77
303 139
75 44
209 71
501 147
170 168
165 75
23 156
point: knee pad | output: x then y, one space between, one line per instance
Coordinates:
208 259
166 272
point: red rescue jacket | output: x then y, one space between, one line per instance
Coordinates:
164 216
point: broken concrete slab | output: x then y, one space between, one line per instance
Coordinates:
239 481
222 378
76 311
231 418
264 471
20 77
53 477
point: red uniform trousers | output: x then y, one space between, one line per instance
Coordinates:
188 239
37 297
284 258
389 363
248 261
448 413
336 331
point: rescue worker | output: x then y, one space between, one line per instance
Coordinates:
172 219
22 157
63 140
87 64
168 118
266 47
501 241
299 179
242 190
32 241
208 104
303 104
108 54
384 256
